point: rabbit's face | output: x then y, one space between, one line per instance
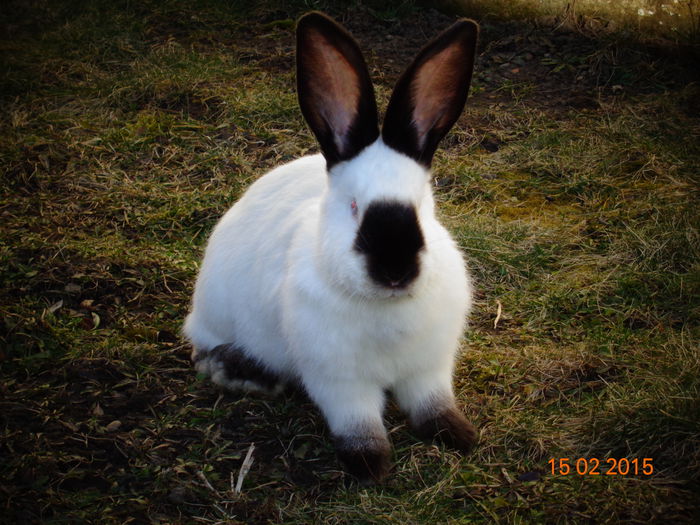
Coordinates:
377 216
373 215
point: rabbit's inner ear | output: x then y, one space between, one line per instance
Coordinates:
432 106
336 88
430 95
335 92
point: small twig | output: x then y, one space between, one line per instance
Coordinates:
499 310
216 403
201 476
245 467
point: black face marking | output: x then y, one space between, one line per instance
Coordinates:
391 238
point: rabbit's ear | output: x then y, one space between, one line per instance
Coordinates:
335 92
430 95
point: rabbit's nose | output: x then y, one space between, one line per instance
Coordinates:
402 282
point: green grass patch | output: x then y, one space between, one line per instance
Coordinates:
570 183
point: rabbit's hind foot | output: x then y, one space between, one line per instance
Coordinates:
228 366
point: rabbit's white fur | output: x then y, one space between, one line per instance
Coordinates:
281 280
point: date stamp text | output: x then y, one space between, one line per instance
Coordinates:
601 467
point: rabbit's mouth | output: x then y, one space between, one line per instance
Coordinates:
387 294
396 283
388 288
398 293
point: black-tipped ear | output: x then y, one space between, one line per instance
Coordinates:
335 92
430 95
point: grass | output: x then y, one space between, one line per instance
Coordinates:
675 22
570 183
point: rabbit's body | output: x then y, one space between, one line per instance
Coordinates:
305 319
231 304
332 271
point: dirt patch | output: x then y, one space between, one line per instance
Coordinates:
103 418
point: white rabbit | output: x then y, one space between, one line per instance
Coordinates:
332 271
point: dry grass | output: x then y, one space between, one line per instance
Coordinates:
570 182
675 22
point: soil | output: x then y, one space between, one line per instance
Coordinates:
89 423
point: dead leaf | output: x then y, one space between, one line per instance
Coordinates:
55 306
530 476
70 426
113 426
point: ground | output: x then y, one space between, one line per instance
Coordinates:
570 182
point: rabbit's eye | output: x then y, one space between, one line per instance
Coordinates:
353 207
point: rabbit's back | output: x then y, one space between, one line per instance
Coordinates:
236 298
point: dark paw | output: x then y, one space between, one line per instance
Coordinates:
451 428
229 366
366 458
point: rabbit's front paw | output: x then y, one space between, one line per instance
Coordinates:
365 457
449 427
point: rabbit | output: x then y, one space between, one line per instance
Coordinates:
332 271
